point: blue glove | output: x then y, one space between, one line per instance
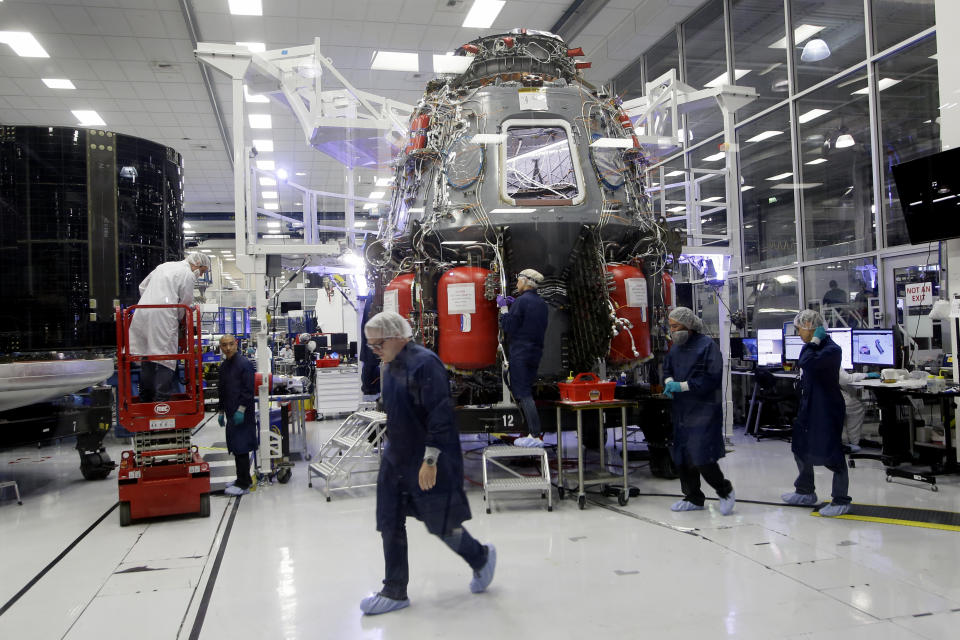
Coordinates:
238 417
671 388
874 375
820 333
503 301
222 419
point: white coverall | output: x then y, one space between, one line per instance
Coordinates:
156 331
853 420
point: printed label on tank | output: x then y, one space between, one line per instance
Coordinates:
533 98
390 301
461 298
636 292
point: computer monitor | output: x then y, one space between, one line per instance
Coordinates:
749 348
792 345
789 329
844 338
873 347
928 188
736 348
288 306
770 347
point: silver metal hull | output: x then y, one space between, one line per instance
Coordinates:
25 383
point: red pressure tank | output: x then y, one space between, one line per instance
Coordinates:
418 132
669 292
466 320
398 295
629 298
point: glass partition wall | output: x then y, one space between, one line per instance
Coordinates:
847 89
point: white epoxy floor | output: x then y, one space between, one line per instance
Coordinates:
295 566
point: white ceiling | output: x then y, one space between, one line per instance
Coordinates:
132 61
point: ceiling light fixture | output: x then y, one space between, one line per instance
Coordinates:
282 174
249 97
800 34
265 165
88 118
451 64
721 79
882 83
815 51
246 7
844 140
58 83
760 137
395 61
265 145
260 121
813 114
267 182
269 195
483 13
715 157
23 44
817 161
780 176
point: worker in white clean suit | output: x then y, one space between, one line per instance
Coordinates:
156 331
854 412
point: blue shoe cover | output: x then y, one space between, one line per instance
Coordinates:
832 510
726 504
377 604
483 576
684 505
802 499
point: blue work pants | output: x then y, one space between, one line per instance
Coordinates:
841 480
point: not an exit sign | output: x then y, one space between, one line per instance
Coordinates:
920 293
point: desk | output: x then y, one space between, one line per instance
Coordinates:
601 477
945 455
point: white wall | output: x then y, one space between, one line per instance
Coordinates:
948 52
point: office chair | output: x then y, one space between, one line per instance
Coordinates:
781 406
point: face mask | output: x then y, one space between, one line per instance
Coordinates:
679 337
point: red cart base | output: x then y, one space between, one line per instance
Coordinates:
163 490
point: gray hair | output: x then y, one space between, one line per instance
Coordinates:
686 317
808 319
199 259
389 324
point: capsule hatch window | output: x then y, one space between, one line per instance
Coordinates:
538 164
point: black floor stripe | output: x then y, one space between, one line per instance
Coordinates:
212 580
54 562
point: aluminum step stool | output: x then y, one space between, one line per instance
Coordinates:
354 448
516 481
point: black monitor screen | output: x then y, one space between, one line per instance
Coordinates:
339 341
286 307
736 348
929 190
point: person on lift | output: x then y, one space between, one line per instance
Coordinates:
524 321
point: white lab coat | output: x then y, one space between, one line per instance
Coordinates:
156 331
853 418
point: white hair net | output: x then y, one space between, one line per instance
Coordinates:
198 259
686 317
533 276
808 319
388 324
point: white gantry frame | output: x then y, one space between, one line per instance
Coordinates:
656 119
294 77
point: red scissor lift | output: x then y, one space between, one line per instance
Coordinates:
164 474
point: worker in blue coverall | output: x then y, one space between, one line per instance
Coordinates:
693 372
237 412
525 324
421 473
818 429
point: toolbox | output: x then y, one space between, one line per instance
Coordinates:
586 387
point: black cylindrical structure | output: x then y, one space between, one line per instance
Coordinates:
85 215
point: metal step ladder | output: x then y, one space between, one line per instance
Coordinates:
515 481
354 448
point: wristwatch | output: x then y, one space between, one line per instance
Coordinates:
430 461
